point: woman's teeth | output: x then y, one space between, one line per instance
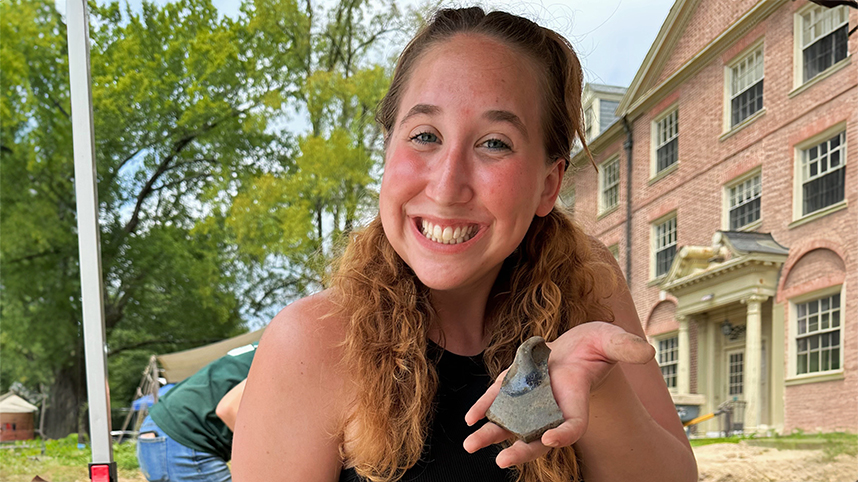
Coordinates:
448 234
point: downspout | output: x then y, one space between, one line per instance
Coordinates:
628 147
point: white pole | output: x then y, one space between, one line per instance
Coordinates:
88 232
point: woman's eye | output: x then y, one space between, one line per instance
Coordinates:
425 138
496 144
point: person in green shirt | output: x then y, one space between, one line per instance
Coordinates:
187 436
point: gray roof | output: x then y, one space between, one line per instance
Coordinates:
750 242
607 89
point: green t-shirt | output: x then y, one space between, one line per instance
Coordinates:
187 412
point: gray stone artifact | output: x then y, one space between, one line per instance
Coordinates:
525 405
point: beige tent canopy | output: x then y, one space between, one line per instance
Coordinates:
182 364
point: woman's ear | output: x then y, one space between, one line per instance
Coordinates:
553 182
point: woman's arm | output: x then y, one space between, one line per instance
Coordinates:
632 417
227 407
617 408
289 418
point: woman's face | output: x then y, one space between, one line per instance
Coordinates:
466 169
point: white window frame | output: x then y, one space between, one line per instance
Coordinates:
728 382
798 166
757 48
739 71
792 374
801 42
658 140
674 361
605 183
655 243
728 200
591 120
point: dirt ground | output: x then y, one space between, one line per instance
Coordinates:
746 463
742 463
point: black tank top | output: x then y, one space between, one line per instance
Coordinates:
461 381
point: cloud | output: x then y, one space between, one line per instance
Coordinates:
611 37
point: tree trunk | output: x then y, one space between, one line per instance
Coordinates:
67 400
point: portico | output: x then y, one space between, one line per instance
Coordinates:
725 290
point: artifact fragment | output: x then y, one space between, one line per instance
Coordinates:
525 405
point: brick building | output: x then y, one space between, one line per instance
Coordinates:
726 192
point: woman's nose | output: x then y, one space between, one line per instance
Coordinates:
450 182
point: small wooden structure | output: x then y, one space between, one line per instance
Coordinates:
17 418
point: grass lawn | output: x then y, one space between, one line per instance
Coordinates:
832 444
61 461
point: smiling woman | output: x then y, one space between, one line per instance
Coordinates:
380 376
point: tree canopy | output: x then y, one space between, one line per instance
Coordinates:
232 153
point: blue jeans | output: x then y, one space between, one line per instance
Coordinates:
162 459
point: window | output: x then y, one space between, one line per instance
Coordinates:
615 251
609 182
590 127
668 359
823 173
817 340
823 39
666 142
735 372
746 87
744 199
665 245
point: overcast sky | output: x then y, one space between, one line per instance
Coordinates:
611 36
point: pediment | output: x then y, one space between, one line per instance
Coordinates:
729 251
659 52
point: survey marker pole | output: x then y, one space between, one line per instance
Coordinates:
102 468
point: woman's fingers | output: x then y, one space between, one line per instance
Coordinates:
571 387
520 452
486 435
479 409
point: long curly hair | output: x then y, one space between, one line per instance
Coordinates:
549 284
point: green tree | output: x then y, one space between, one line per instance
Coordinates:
301 216
214 206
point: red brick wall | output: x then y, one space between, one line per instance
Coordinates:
695 189
707 22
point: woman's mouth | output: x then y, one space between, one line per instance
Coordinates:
452 234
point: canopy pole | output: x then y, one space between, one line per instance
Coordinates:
102 468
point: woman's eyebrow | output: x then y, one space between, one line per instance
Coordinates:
506 116
427 109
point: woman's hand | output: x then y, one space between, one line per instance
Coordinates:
580 361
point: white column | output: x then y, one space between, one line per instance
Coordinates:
683 376
753 359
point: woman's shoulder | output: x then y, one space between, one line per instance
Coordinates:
295 399
309 329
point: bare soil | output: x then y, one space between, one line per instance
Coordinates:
741 462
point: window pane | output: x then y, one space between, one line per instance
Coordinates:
824 191
801 364
666 155
835 359
813 363
825 52
812 323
